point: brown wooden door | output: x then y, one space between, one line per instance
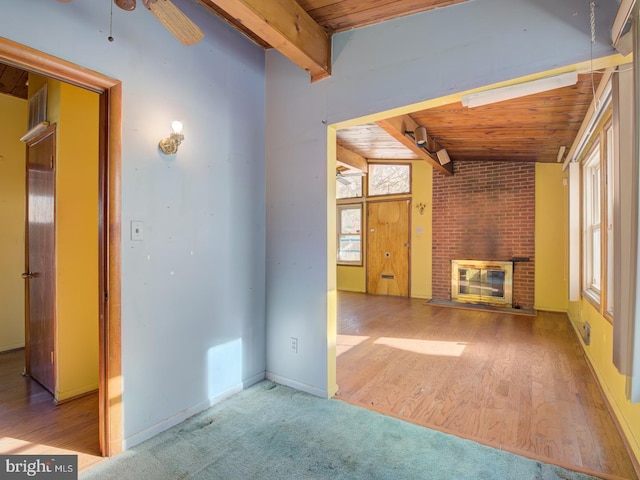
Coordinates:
388 248
40 259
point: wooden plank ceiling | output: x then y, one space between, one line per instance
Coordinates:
340 15
530 129
13 81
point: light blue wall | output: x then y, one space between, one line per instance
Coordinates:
193 305
377 68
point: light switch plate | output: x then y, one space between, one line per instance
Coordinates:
137 230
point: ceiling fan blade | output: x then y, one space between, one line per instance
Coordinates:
175 21
127 5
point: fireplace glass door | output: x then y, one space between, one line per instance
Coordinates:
475 281
481 282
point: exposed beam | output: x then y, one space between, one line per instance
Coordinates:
287 27
351 159
397 128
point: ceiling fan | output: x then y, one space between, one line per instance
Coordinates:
170 16
343 177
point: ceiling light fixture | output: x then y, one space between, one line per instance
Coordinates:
170 144
519 90
420 136
342 180
443 156
342 177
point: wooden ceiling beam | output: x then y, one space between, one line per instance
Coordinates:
397 128
351 159
287 27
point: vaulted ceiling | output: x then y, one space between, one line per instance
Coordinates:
301 30
531 128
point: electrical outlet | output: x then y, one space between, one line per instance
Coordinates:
294 344
586 333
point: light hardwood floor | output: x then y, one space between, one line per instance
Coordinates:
515 382
31 422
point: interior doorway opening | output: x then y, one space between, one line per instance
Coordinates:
109 168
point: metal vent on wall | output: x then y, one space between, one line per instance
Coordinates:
38 107
37 114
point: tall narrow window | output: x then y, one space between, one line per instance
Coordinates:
592 225
349 234
609 160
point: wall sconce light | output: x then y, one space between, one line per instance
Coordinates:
421 206
170 144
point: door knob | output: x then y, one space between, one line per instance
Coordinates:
29 275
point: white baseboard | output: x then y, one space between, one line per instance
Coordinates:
154 430
253 380
318 392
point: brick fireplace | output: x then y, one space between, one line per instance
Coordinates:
485 212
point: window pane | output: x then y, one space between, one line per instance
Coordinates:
592 233
349 249
349 234
595 194
385 179
595 274
349 187
350 220
609 159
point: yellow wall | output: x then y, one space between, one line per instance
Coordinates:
77 242
600 354
351 278
551 280
421 228
354 279
75 111
13 124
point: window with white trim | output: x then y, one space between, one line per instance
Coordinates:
609 160
592 231
349 233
